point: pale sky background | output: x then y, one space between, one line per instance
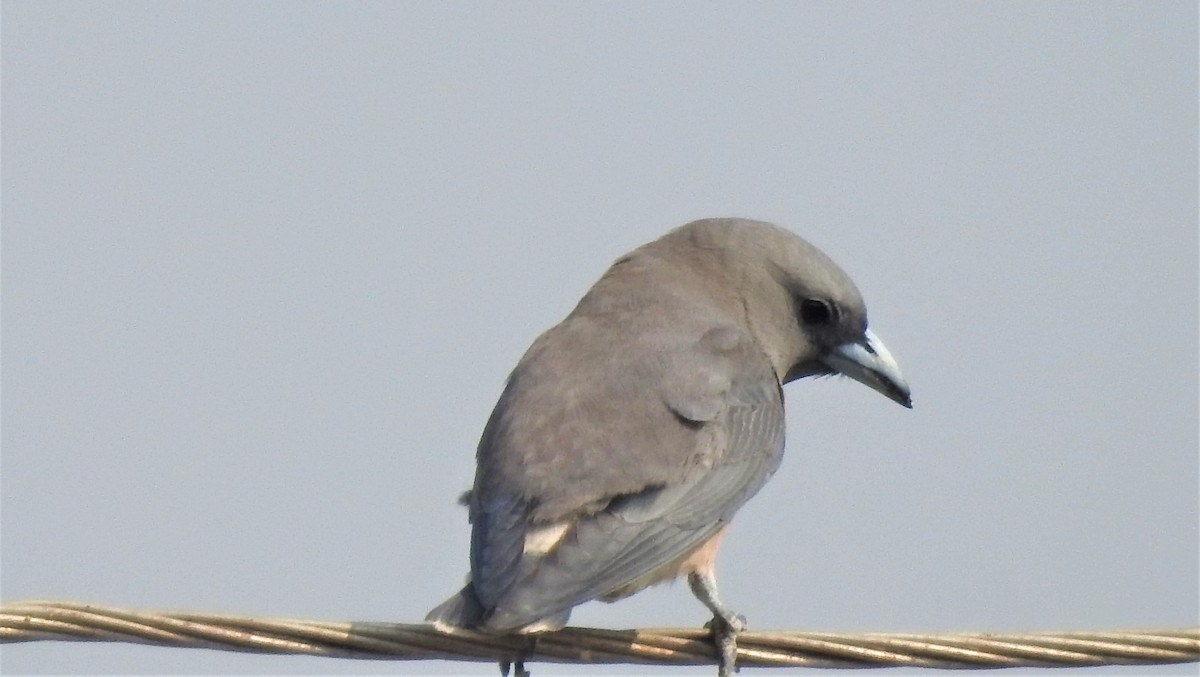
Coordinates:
267 265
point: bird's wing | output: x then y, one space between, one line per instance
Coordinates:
724 409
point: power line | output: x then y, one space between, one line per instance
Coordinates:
74 621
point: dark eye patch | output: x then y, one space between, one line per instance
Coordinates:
817 312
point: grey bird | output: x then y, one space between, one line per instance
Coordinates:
629 434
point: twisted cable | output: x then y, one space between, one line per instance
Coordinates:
73 621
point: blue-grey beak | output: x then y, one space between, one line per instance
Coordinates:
869 362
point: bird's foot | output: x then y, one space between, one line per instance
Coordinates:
516 667
725 630
516 662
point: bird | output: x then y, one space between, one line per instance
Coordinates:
630 433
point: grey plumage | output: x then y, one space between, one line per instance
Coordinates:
629 434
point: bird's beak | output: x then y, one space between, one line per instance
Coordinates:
868 361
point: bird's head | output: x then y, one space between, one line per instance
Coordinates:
803 310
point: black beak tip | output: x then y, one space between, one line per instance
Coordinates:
902 397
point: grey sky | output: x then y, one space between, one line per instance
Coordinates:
266 267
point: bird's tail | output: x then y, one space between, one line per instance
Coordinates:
463 610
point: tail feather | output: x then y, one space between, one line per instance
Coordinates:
463 610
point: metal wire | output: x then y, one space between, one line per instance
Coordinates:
73 621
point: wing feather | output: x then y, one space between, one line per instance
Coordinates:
635 537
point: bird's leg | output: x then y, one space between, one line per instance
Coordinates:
725 624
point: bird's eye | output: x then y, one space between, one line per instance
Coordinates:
817 312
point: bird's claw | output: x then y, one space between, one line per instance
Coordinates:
517 668
516 664
725 630
734 622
